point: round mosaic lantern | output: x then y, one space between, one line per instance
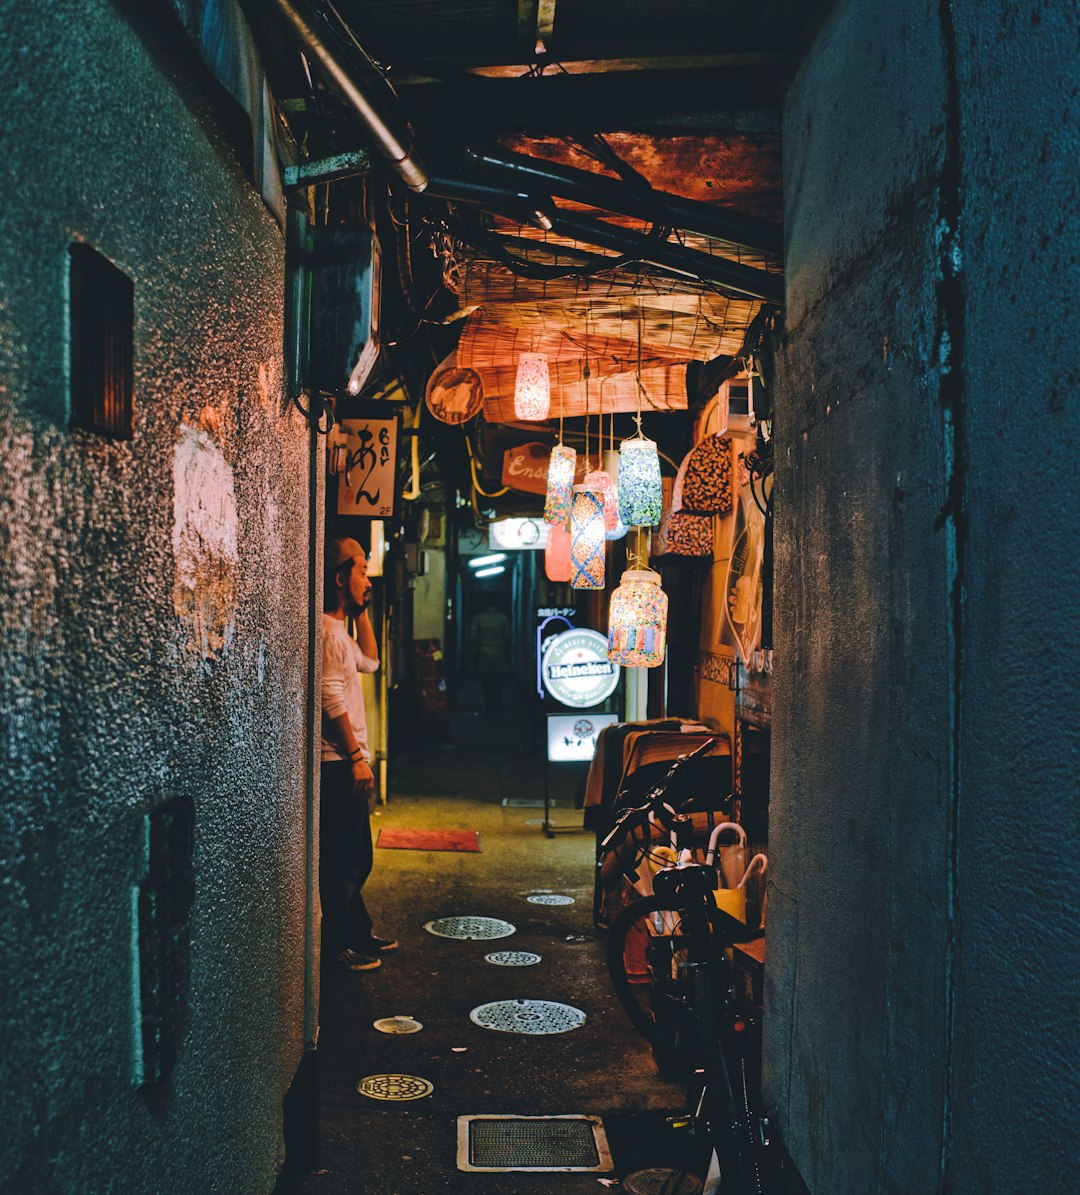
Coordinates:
532 391
637 620
640 493
587 539
560 485
557 554
611 468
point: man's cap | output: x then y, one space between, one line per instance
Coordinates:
341 551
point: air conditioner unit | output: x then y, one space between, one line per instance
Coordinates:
343 330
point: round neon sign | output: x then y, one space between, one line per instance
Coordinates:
576 670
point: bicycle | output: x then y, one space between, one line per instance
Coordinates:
684 1001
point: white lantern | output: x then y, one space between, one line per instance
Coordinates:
616 529
640 491
532 393
560 484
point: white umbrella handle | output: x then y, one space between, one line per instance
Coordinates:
757 863
714 838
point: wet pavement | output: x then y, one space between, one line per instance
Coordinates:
367 1146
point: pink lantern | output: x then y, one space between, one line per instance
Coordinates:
557 565
532 392
601 482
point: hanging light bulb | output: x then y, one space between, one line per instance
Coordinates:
560 484
637 620
532 392
640 491
557 554
587 539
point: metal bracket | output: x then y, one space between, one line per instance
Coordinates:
326 170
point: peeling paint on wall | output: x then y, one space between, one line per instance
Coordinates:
205 554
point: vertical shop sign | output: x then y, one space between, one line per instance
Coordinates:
368 486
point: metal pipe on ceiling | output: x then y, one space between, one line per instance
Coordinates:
388 134
758 284
583 186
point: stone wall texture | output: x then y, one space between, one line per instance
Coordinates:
921 984
154 598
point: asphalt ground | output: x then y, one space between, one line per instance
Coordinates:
603 1068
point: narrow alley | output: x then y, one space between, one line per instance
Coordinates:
601 1069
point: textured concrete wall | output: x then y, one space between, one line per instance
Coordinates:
153 622
917 1018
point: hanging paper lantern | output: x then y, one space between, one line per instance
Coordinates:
532 393
557 554
560 484
601 482
611 467
640 495
587 539
637 620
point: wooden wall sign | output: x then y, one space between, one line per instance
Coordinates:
368 486
525 468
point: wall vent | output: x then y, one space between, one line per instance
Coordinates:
162 901
101 366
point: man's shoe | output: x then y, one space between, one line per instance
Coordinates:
353 960
377 946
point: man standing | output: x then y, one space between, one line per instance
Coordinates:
347 782
489 638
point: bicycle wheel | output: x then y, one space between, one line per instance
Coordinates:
646 953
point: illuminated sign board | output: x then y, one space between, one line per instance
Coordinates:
572 738
576 670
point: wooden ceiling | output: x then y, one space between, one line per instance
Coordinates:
684 92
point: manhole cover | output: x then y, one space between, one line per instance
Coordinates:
512 958
475 929
397 1025
661 1182
550 898
394 1087
516 1143
527 1016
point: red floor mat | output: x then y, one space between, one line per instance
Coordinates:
398 839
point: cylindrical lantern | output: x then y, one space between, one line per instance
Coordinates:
557 554
611 468
560 485
587 539
532 393
637 620
601 482
640 494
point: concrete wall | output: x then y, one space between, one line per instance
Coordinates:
920 1001
153 625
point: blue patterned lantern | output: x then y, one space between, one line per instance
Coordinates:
587 539
640 493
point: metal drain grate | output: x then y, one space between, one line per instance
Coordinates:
512 958
474 929
394 1087
397 1025
527 1016
550 898
661 1182
532 1143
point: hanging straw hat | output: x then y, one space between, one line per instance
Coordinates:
454 394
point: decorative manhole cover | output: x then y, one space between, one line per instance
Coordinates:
550 898
397 1025
475 929
394 1087
512 958
661 1182
527 1016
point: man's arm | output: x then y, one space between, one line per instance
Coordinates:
365 639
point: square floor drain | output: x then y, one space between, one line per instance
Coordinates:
532 1143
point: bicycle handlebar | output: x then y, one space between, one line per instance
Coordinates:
654 802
